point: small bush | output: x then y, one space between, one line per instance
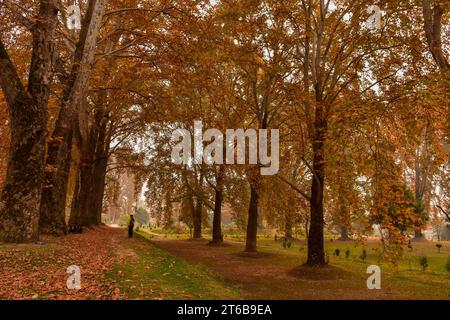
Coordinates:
439 246
423 261
337 252
347 254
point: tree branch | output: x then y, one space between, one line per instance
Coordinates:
294 187
9 79
443 211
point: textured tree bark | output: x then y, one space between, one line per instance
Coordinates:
60 144
94 144
81 197
432 25
252 223
22 188
99 173
217 216
84 209
99 187
316 253
53 201
97 155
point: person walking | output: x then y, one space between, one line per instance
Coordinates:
131 227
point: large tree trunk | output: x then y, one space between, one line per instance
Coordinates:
316 253
100 149
53 201
81 196
87 201
344 234
252 223
20 198
60 143
217 217
98 184
22 188
93 141
100 142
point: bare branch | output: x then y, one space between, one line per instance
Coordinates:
294 187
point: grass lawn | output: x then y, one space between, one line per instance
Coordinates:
270 274
151 273
157 266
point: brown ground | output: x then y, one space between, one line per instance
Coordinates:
38 271
274 276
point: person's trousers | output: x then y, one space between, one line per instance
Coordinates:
130 232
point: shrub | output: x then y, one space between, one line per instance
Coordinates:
337 252
363 255
423 262
439 246
347 254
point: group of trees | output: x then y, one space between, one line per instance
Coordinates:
72 115
362 112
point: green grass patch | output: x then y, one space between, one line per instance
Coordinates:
156 274
406 277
